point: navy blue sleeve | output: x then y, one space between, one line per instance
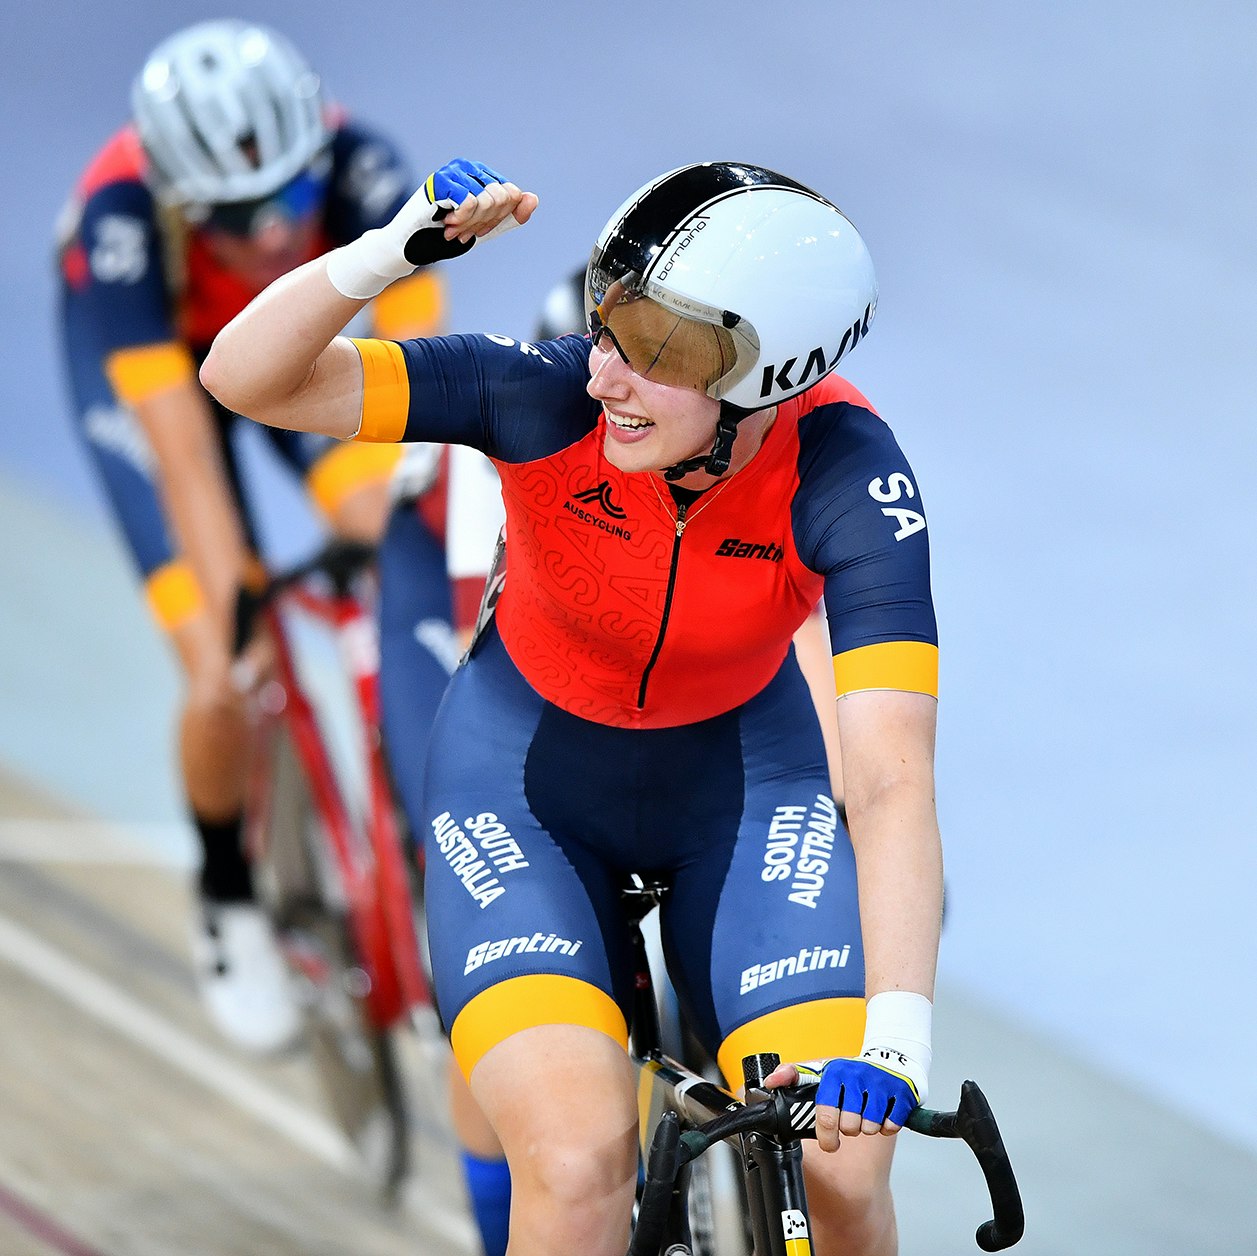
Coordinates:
126 295
370 182
858 521
512 400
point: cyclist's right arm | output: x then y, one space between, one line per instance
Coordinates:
281 360
195 492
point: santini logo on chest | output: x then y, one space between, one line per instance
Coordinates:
735 547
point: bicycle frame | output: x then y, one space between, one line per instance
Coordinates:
681 1115
368 854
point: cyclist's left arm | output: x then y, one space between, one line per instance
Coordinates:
858 519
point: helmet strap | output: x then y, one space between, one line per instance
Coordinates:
716 460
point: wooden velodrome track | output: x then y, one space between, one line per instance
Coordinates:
128 1129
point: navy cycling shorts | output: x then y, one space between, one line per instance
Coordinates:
534 818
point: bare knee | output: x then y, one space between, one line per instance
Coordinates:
573 1161
566 1173
849 1196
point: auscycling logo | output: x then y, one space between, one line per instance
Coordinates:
599 496
601 493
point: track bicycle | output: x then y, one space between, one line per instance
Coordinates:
324 837
685 1117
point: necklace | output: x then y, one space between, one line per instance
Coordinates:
682 515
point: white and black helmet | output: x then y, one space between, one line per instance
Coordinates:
750 250
227 111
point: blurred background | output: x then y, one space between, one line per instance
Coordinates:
1059 199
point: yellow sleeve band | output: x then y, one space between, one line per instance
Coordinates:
137 374
410 307
908 666
526 1002
345 469
174 596
385 392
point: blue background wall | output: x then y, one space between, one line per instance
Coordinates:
1059 199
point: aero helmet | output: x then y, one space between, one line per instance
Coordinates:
739 247
227 111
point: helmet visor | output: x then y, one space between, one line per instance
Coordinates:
296 199
659 344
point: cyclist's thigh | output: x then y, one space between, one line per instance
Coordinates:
524 922
762 932
418 650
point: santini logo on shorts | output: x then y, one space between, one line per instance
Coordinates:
807 960
543 943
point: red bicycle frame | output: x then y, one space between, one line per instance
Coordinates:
367 851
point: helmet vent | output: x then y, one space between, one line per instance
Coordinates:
248 146
193 129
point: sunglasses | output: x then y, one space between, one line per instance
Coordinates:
297 198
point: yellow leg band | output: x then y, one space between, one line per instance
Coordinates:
525 1003
174 596
807 1031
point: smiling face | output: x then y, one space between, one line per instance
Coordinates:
649 426
650 370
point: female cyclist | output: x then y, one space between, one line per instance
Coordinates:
680 488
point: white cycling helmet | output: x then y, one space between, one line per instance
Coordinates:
737 246
227 111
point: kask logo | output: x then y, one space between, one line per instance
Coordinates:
601 494
817 364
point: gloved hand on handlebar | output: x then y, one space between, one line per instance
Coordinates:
458 204
875 1092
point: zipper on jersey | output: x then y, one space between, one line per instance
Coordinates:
682 511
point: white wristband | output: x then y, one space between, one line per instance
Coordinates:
364 268
897 1033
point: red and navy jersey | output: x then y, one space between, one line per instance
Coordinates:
613 612
149 284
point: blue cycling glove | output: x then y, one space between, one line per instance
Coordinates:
446 189
363 268
871 1088
890 1076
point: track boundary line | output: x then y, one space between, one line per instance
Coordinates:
211 1069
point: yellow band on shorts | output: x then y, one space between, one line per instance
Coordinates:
414 306
385 391
174 596
137 374
818 1030
908 666
526 1003
345 469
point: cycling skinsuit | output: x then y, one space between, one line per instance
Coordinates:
636 706
142 298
